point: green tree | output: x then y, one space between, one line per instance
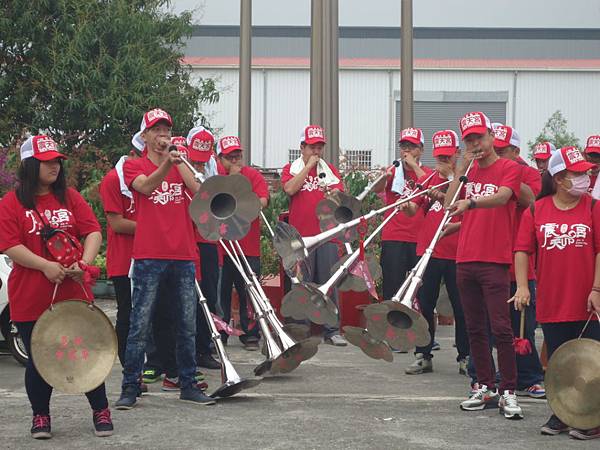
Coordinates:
555 131
87 70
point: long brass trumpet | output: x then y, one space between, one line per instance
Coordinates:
396 321
293 248
310 301
339 207
283 353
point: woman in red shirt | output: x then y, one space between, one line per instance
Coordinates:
42 198
564 231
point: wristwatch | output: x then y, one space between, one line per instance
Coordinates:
472 204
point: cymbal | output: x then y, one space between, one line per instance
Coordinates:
401 327
306 301
573 383
352 282
224 207
338 207
73 346
292 358
370 346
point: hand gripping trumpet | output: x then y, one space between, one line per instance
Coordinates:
312 302
283 353
395 320
293 248
339 207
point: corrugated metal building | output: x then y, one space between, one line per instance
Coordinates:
517 76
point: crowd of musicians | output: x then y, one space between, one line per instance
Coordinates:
520 239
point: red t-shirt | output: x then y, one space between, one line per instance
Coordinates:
251 242
566 243
401 227
164 229
533 179
434 213
486 234
29 291
304 202
118 245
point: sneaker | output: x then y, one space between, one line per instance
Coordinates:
199 376
103 425
419 366
172 384
40 427
483 398
585 435
195 395
128 398
435 346
143 389
463 366
336 340
554 426
208 362
474 388
509 406
395 350
535 391
151 376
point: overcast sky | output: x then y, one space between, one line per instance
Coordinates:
427 13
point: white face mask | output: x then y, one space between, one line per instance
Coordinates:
579 185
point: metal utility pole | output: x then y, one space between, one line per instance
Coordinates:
245 82
324 73
406 66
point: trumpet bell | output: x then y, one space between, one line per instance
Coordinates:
224 207
289 245
303 351
231 388
374 348
338 207
306 301
73 346
401 327
352 282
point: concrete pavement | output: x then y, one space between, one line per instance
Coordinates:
340 399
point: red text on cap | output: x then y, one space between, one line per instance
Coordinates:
574 155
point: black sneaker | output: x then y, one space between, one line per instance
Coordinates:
128 398
554 426
207 361
194 395
103 425
40 427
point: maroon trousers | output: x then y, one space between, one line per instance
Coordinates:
484 289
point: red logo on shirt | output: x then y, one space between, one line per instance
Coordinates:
561 236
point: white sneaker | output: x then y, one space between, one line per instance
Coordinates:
336 340
483 398
509 406
419 366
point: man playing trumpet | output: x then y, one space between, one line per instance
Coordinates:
303 180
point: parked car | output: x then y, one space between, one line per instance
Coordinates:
8 331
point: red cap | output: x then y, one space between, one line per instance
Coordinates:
178 140
568 158
154 116
544 150
445 143
414 135
41 147
505 136
201 145
593 144
474 123
313 134
228 144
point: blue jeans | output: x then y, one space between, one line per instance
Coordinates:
147 275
